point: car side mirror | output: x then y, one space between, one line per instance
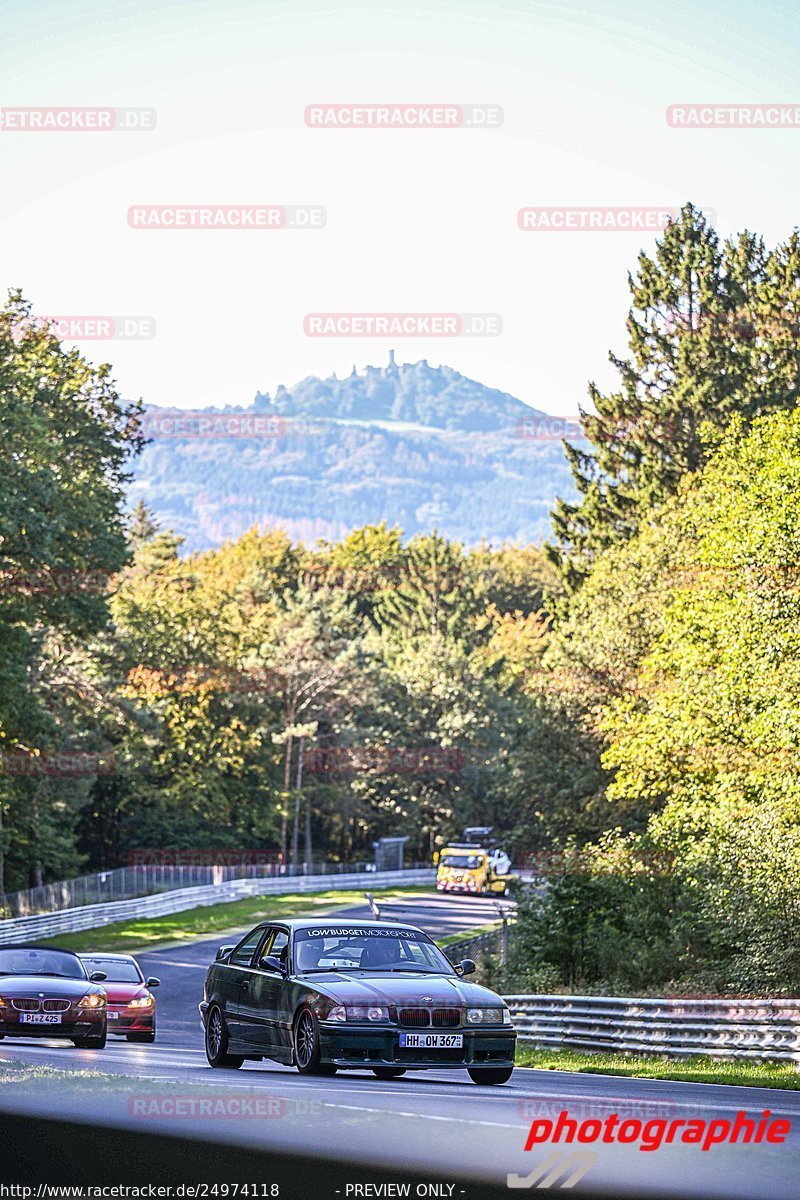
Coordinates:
153 982
465 967
98 976
223 952
270 963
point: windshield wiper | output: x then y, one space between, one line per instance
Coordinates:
318 970
419 970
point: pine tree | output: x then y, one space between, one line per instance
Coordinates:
709 336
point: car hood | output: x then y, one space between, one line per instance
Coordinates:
60 987
380 988
122 993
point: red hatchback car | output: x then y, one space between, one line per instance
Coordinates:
131 1004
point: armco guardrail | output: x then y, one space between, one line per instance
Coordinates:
93 916
721 1028
142 879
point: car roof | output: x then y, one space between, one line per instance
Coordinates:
34 946
106 954
338 923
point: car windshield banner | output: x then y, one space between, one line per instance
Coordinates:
328 931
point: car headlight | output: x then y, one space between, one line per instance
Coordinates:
367 1012
337 1014
92 1000
487 1016
142 1002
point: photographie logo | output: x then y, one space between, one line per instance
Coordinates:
56 764
403 116
382 760
649 1135
201 423
50 582
227 216
402 324
734 116
549 429
97 329
77 120
600 219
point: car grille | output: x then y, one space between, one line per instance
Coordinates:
31 1004
422 1018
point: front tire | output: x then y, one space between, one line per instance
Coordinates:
388 1072
490 1075
307 1050
217 1042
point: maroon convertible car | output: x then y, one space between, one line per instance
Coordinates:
49 993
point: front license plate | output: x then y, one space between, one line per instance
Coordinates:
432 1041
40 1018
113 1016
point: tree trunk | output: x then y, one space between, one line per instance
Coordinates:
35 873
287 776
308 850
2 864
297 797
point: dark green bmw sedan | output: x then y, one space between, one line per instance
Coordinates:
375 995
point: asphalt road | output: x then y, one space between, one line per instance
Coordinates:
438 1121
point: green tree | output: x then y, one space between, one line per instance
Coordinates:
711 335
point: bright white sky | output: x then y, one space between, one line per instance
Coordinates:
417 220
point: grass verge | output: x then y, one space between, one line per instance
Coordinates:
151 933
741 1072
464 934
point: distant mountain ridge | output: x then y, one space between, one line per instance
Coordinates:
421 447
